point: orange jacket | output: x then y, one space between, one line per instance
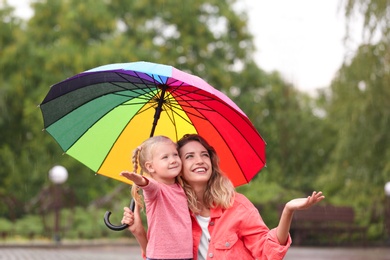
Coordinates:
239 233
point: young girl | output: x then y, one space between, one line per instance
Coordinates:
169 223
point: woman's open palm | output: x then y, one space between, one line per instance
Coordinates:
304 203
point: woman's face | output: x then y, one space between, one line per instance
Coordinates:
196 163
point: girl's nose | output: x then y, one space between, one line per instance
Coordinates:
175 160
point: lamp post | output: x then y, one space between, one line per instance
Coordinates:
387 211
57 175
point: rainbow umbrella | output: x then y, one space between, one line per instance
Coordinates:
101 115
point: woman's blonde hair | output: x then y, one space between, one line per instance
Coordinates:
141 155
219 191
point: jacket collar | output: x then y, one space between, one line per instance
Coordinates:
216 212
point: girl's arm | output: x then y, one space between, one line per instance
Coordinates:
288 212
138 179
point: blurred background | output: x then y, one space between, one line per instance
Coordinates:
331 137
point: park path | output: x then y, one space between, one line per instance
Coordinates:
132 252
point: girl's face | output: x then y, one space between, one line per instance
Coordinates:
165 164
196 162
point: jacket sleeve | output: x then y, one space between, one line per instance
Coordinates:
260 240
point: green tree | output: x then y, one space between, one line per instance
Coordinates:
358 109
374 14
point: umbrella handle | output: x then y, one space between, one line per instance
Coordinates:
120 227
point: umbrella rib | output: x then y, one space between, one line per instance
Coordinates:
144 109
137 89
137 76
171 106
144 93
146 97
174 90
189 101
141 91
196 91
144 82
172 119
156 83
188 113
189 106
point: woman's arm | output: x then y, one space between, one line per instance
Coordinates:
288 212
135 226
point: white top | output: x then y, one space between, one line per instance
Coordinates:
205 238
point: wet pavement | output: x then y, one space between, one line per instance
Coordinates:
79 253
131 252
336 253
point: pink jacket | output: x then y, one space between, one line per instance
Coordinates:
239 233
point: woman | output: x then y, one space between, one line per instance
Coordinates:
225 224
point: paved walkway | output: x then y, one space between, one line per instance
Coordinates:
121 252
81 253
335 253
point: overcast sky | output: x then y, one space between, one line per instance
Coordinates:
302 39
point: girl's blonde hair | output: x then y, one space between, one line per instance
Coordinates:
141 155
219 191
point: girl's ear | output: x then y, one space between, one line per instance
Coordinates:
149 167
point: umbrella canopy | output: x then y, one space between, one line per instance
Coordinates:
101 115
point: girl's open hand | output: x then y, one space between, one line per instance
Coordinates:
134 177
304 203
